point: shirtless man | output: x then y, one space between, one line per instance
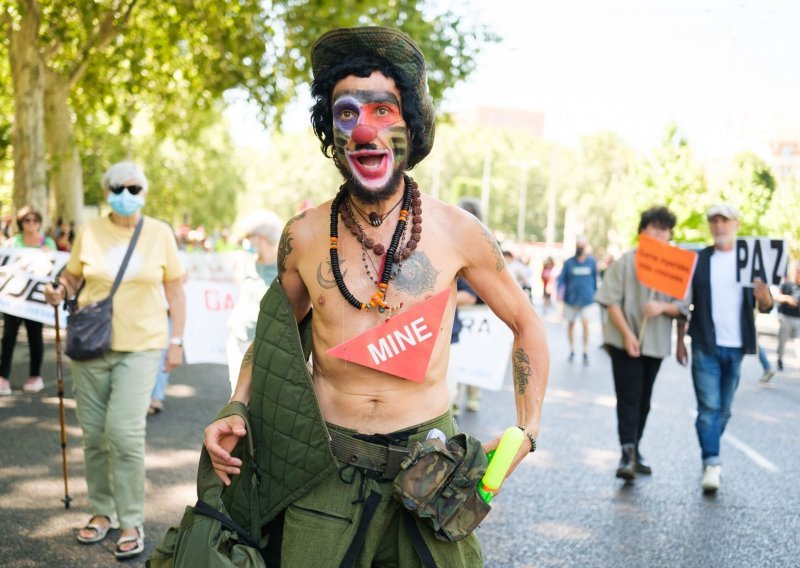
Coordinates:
374 116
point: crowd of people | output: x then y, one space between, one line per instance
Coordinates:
360 259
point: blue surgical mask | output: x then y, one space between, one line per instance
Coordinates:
124 203
248 246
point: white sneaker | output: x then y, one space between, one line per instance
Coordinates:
5 387
711 478
33 385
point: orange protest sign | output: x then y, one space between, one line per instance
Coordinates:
401 346
664 268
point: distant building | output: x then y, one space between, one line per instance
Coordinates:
531 122
784 158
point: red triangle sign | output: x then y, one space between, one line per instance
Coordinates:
401 346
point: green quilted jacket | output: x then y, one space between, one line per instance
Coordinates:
292 443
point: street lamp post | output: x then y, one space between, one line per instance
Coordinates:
524 166
523 199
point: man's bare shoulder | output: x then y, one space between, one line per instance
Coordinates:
472 237
301 233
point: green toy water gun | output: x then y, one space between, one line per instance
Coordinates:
499 461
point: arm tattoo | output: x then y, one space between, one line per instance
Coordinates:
499 261
522 370
247 360
285 244
417 275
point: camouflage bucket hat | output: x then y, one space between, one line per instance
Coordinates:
388 44
438 482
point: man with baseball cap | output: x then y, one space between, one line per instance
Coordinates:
380 250
722 328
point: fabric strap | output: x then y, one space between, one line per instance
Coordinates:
421 548
203 508
370 506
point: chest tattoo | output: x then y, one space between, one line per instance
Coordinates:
417 275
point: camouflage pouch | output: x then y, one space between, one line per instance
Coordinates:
438 483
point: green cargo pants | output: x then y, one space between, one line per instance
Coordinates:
327 526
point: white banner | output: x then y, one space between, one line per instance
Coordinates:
208 305
485 348
215 266
760 257
24 272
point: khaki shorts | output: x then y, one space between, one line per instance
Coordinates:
571 313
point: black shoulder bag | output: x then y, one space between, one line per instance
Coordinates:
89 327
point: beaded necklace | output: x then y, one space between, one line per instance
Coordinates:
378 299
358 232
372 217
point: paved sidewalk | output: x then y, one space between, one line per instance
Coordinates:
37 529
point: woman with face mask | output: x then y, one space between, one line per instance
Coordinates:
112 391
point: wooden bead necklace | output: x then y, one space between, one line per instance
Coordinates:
378 299
372 217
379 249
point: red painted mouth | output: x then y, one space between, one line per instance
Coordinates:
370 165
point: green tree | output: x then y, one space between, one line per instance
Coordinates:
591 175
71 59
751 189
670 177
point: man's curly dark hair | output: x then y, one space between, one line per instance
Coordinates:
659 216
363 66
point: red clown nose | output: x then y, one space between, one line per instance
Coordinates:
363 134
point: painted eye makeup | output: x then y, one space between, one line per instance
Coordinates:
345 113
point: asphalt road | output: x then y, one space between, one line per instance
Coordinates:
562 507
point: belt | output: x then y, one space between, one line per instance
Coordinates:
382 458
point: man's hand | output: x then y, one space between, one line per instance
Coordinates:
220 439
762 294
524 451
681 354
654 308
632 345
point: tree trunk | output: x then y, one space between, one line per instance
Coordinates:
66 176
27 71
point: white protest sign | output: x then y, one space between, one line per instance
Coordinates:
215 266
485 348
24 272
760 257
208 306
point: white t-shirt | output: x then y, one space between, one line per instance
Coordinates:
726 299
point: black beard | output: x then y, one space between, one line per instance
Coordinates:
370 196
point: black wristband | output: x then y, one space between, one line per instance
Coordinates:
531 438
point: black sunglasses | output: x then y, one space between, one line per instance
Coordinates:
132 189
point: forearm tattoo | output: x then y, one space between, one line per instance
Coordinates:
247 360
522 370
417 275
499 261
285 244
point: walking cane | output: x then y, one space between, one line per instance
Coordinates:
60 386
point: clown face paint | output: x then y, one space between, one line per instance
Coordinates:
369 133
